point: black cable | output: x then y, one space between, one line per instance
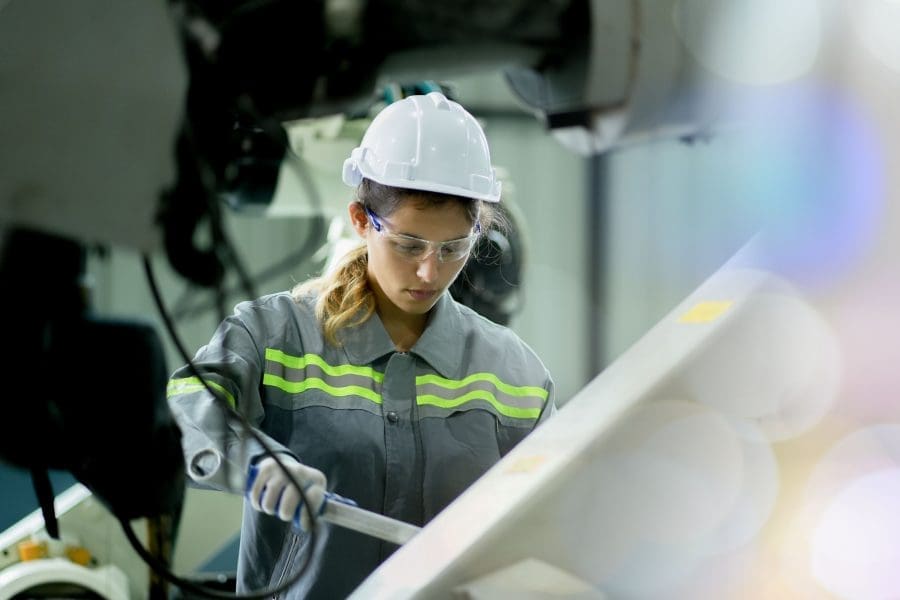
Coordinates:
157 565
162 569
43 489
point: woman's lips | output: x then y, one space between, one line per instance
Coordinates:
421 295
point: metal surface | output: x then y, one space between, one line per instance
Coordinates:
358 519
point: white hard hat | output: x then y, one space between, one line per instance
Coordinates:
425 143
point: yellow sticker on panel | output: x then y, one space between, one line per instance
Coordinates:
704 312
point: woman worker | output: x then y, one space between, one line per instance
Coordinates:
370 381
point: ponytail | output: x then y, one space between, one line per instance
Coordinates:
344 296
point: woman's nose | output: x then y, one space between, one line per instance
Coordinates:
428 268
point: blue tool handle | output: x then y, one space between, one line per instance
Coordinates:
251 477
332 497
329 497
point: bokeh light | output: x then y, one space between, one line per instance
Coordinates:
843 537
856 547
775 362
868 328
677 484
807 165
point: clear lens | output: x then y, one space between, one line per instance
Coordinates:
408 247
456 249
416 249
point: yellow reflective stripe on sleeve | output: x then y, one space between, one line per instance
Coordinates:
511 390
503 409
296 387
188 385
300 362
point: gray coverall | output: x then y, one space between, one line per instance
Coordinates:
401 433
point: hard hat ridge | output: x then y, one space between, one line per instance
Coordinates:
425 142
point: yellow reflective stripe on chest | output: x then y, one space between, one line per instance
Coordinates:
315 383
293 375
522 402
297 374
301 362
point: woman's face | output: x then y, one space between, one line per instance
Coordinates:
401 284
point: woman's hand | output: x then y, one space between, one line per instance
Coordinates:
271 491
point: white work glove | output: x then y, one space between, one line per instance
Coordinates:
273 493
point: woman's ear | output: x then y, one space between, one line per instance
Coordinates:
358 218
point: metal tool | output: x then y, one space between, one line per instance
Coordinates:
345 513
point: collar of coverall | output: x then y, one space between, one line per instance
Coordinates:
437 346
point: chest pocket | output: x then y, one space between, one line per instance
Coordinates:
457 450
461 420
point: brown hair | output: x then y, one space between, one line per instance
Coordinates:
345 298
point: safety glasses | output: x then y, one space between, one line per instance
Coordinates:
415 249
